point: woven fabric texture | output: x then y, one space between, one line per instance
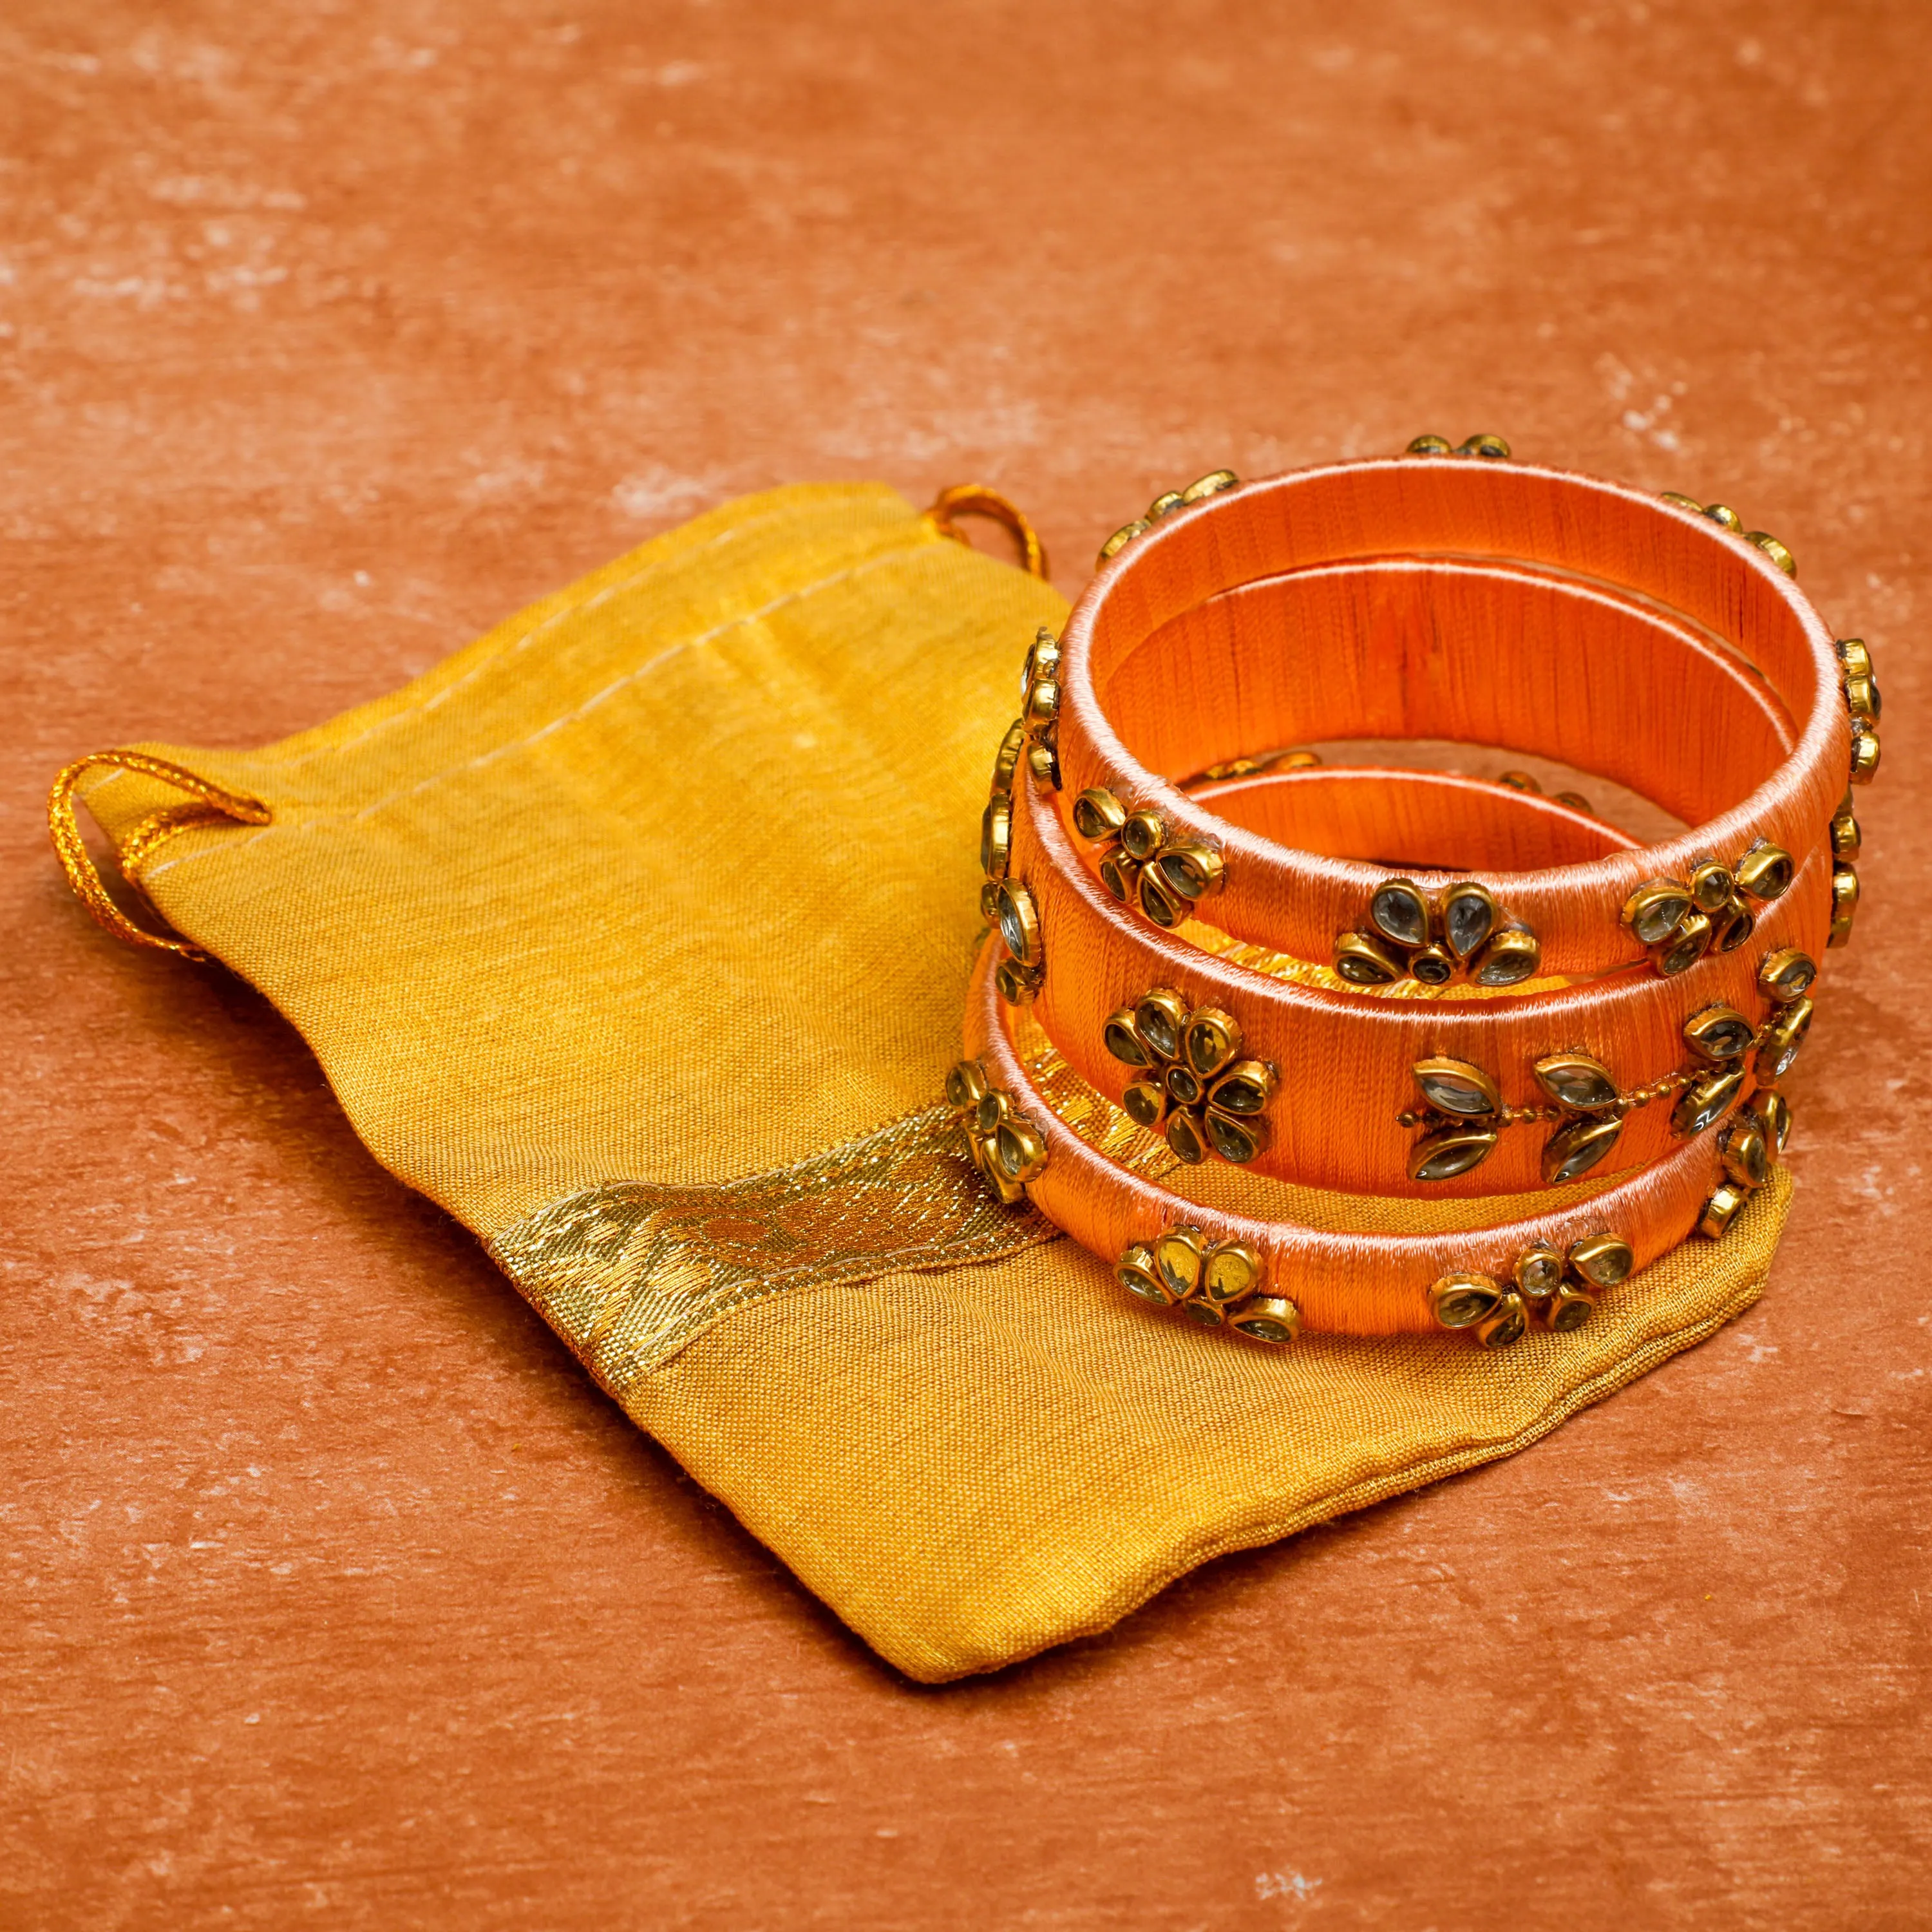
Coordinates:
636 934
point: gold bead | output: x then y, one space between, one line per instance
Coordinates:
1042 705
1449 1151
1511 957
1136 1272
1468 918
1539 1271
1846 839
1684 948
1747 1157
1862 700
1120 540
1568 1308
1773 549
1430 445
1576 802
1682 502
1362 962
1704 1101
1505 1325
1572 1151
1231 1272
1575 1080
1772 1112
1492 447
1006 762
1602 1260
1098 814
1718 1033
1168 500
1766 872
1212 484
996 836
1864 752
1778 1044
1786 974
1855 656
1710 885
1178 1258
1461 1300
1141 835
1195 871
1519 782
1019 986
1844 904
967 1084
1721 1209
1268 1317
1398 911
1017 913
1458 1086
1723 513
1656 909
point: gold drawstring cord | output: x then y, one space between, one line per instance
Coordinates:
976 500
212 804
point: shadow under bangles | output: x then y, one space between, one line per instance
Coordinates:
1416 992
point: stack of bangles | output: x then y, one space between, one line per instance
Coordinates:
1298 1045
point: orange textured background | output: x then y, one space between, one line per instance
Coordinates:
330 1590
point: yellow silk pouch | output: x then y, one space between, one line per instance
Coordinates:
637 935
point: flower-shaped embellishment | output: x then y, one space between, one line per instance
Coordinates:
1678 921
1218 1284
1408 935
1007 1148
1191 1081
1549 1288
1140 865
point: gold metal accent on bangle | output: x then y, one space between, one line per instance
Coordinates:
1766 872
1462 1299
1855 655
1721 1209
1007 1149
1575 801
1491 447
1406 937
1576 1082
1772 1112
1719 1034
1779 1043
1773 549
1865 753
996 836
1602 1260
1786 974
1732 924
1656 909
1210 1282
1539 1271
1573 1150
1017 914
1505 1325
1722 514
1684 948
1459 1088
1710 885
1450 1150
1844 904
1846 838
1861 698
1193 1084
1140 865
1704 1101
1165 506
1006 761
1747 1157
1019 986
1098 815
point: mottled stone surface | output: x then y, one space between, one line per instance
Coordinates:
330 1589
